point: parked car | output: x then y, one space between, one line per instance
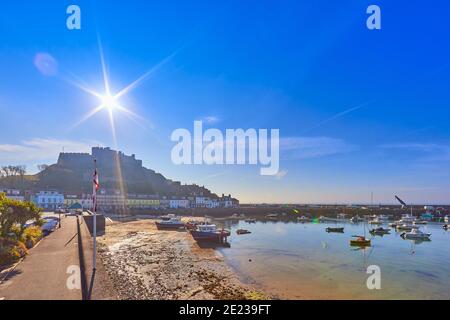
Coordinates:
49 226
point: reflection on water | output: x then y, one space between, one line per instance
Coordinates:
303 261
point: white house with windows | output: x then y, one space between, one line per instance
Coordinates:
201 202
49 199
13 194
178 203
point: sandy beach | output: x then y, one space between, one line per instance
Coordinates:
146 263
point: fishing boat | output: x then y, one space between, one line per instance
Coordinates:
242 231
336 229
360 241
209 233
416 234
380 231
171 223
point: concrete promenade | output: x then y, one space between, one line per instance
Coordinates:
65 256
42 275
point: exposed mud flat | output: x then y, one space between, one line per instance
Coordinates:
146 263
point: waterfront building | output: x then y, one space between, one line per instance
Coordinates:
13 194
200 201
142 201
50 199
179 203
111 200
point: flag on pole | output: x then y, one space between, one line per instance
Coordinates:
95 186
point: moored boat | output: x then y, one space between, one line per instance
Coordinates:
406 227
250 220
380 231
209 233
416 234
360 241
336 229
243 231
171 223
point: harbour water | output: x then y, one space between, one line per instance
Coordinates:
302 261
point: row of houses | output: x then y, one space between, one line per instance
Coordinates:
115 200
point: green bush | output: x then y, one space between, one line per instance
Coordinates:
11 251
31 236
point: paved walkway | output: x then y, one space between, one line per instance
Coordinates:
42 275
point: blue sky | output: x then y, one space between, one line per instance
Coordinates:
358 110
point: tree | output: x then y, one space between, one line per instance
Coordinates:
16 213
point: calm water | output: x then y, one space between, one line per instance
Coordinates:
295 261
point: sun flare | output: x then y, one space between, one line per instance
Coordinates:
109 102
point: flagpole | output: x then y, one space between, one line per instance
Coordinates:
95 186
95 219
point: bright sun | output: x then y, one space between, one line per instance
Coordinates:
109 101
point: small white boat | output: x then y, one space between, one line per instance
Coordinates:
446 219
406 219
171 223
416 234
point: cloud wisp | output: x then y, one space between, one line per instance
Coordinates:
210 119
338 115
39 149
314 147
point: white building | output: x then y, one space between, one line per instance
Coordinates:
226 201
178 203
201 202
13 194
49 199
212 203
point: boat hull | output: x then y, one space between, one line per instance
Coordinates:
358 243
201 236
338 230
171 226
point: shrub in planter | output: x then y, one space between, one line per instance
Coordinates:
31 236
11 251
